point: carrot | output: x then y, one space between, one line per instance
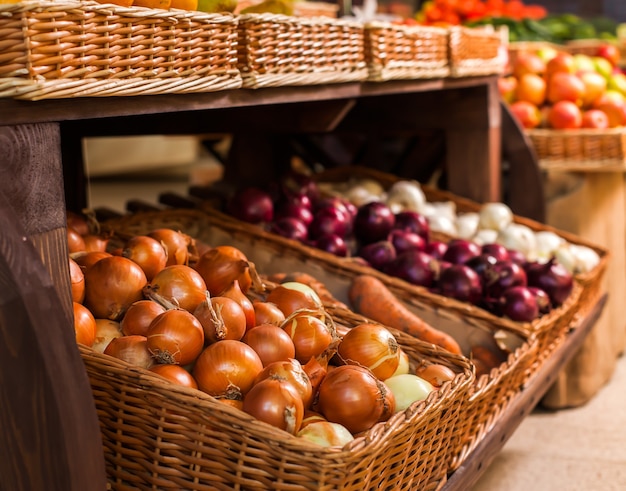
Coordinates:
370 297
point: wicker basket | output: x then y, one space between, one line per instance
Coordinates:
547 328
158 437
585 150
78 49
396 51
278 50
487 398
477 51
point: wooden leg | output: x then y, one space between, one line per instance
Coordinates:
31 179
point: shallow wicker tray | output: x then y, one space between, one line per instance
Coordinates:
278 50
158 436
78 49
476 52
396 51
585 150
271 254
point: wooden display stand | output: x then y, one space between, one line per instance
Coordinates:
591 205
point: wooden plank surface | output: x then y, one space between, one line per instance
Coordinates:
49 432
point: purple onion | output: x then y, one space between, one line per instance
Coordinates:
378 254
502 276
291 228
460 282
413 222
404 240
498 251
330 220
481 262
436 249
373 222
519 304
251 205
543 300
416 267
552 278
333 244
460 251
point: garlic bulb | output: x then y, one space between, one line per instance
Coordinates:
467 225
495 216
519 238
406 195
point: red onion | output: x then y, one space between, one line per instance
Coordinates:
333 244
251 205
413 222
294 182
502 276
543 300
330 220
378 254
519 304
460 251
460 282
436 249
290 227
498 251
294 210
404 240
481 262
373 222
552 278
517 257
416 267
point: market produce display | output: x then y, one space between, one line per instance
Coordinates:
550 88
472 257
200 317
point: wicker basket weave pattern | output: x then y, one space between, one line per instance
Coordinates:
405 52
77 49
580 150
475 52
278 50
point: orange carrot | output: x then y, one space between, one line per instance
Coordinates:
370 297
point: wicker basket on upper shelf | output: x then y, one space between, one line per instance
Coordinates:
477 51
279 50
396 51
84 49
584 150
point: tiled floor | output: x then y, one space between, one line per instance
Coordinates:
580 449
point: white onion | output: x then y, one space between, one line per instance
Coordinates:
467 225
406 195
547 243
566 258
407 389
441 208
586 258
485 236
519 238
359 196
326 434
106 330
443 224
495 216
